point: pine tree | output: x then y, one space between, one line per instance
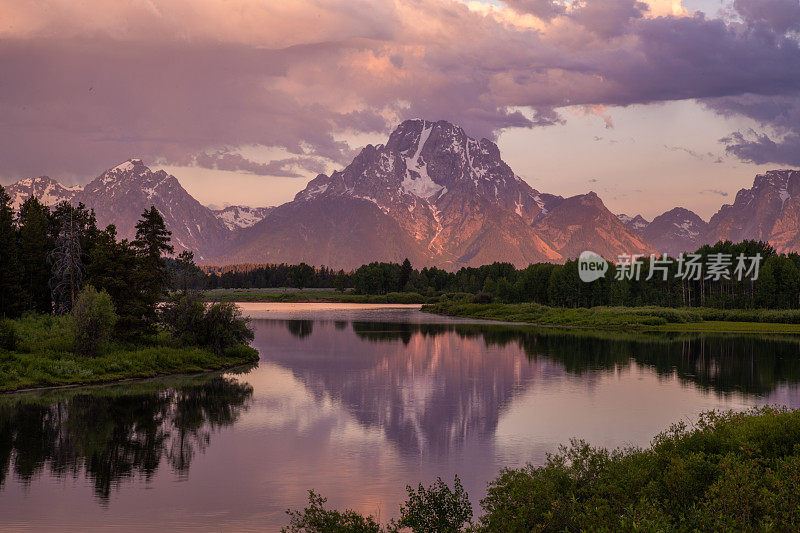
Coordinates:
10 272
34 246
185 271
113 267
152 277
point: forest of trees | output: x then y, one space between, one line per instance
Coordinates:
47 256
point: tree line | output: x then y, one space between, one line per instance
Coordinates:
777 284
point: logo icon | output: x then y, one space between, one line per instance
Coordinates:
591 266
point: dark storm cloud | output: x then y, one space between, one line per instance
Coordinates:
80 93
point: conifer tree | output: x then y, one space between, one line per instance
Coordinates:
152 277
10 272
35 244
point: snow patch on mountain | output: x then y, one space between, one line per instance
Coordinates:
241 216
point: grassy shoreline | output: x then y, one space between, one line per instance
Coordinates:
44 358
630 318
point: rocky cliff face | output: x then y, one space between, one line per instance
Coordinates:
768 211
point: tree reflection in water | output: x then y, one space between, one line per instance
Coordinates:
115 433
431 387
729 363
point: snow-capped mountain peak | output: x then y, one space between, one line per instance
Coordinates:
46 189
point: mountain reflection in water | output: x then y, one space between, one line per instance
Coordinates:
356 404
435 387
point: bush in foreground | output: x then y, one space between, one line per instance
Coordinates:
94 318
730 472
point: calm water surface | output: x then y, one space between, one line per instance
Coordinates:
355 402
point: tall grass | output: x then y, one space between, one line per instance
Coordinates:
611 316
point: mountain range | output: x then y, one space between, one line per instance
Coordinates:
432 194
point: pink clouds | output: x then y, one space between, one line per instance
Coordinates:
91 82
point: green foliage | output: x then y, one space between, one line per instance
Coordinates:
93 318
435 509
183 315
225 327
10 268
612 317
730 472
35 244
151 276
45 356
185 274
219 326
316 519
301 275
8 336
113 268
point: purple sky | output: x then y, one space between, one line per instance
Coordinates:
652 104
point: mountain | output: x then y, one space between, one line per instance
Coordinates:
241 216
120 195
637 223
769 211
678 230
46 189
431 193
582 223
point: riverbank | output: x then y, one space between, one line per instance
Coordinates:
41 355
287 295
639 318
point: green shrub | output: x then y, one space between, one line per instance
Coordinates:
93 321
8 336
225 327
316 519
435 509
219 326
183 316
483 298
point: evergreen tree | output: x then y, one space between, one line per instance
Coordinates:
10 273
405 274
186 274
34 246
113 267
152 277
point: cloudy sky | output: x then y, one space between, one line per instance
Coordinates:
651 103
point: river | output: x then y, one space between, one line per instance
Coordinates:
355 402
